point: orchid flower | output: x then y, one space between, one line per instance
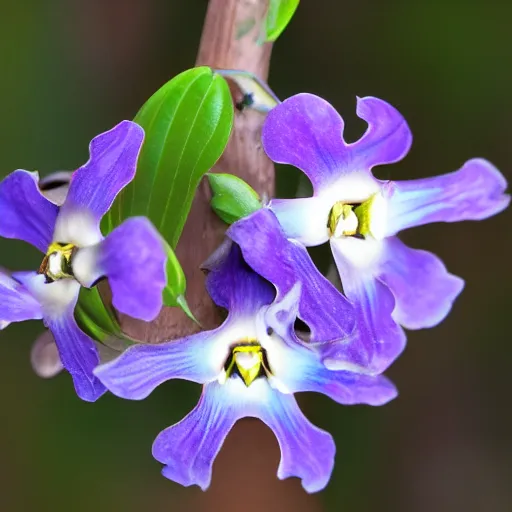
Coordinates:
131 257
250 366
389 284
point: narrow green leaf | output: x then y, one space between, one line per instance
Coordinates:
174 291
93 317
232 198
279 14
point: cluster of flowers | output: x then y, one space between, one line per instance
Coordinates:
262 274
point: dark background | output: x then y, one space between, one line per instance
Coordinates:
71 69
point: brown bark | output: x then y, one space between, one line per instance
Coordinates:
225 44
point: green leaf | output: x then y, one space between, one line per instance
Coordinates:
232 198
174 291
187 124
93 317
279 14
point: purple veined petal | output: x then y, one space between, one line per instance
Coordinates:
17 303
26 214
189 448
79 356
387 138
111 166
306 131
198 358
78 353
297 366
307 452
377 339
305 372
133 259
284 262
234 286
474 192
424 290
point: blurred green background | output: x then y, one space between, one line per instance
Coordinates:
71 69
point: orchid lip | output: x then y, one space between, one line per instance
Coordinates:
57 262
358 220
247 360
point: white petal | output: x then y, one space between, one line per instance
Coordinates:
44 356
76 227
360 254
85 266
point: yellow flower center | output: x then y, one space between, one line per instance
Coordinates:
357 220
247 360
57 262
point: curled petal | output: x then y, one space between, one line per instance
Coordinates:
474 192
284 262
387 139
307 132
133 259
17 303
188 449
298 366
424 290
377 339
24 212
111 166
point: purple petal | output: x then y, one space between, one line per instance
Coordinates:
301 368
78 353
424 290
284 262
387 139
26 214
377 340
111 166
17 302
141 368
307 452
189 448
133 259
307 132
234 286
474 192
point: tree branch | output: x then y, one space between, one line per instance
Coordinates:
229 41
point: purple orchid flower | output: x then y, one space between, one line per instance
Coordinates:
250 367
132 256
390 284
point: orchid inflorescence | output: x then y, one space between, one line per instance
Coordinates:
261 275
